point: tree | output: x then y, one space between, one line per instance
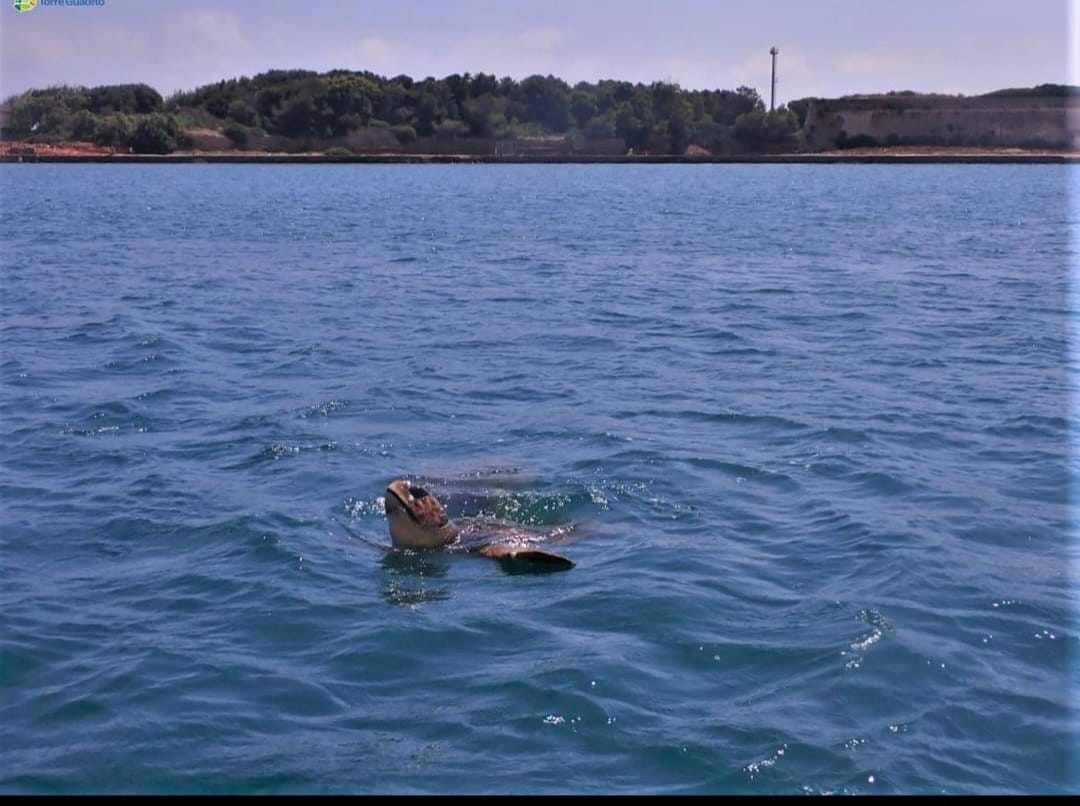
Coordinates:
114 130
756 129
393 105
299 118
146 99
154 134
484 114
724 106
665 98
457 89
582 108
138 99
546 101
629 127
28 110
483 85
750 129
781 127
425 115
241 112
84 125
601 127
751 95
716 137
679 131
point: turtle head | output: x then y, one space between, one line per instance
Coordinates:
417 519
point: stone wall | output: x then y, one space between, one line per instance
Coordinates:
987 121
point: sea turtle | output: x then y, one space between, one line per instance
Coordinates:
418 521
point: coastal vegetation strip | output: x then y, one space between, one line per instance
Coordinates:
344 113
860 156
295 109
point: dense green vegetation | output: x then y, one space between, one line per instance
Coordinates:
305 107
126 115
305 110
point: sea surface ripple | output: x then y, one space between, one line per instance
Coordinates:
808 428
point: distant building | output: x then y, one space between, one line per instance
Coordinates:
1039 118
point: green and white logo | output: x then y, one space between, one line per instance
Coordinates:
30 5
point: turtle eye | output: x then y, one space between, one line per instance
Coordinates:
418 492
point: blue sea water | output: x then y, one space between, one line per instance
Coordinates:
808 427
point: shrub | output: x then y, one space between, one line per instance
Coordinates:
84 125
237 134
843 140
154 134
114 130
404 134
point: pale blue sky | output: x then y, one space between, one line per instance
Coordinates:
827 47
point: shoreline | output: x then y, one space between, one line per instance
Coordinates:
826 158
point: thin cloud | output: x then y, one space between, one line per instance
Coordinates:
856 49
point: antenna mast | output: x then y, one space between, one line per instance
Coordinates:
772 98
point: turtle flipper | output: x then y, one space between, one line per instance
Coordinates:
525 560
